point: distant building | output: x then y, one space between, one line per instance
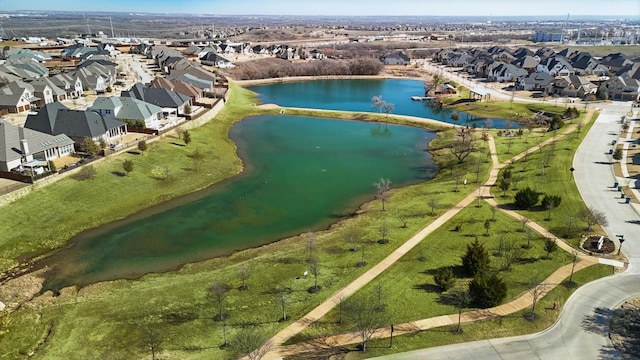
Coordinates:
547 36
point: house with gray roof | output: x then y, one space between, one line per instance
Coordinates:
585 64
26 149
395 58
213 59
573 86
555 66
134 112
171 102
57 119
621 88
17 97
23 74
55 93
534 82
72 85
504 72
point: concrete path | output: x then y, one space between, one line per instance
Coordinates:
513 306
522 302
581 333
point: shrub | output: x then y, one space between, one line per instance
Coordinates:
444 278
142 145
487 291
86 173
526 198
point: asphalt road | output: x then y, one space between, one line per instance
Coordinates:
581 333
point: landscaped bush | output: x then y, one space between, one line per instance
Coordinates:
526 198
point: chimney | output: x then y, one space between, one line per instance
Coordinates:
24 146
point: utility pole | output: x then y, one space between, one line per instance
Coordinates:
111 23
563 27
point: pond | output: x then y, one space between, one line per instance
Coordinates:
356 95
301 174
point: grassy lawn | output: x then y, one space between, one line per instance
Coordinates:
509 146
513 325
108 319
554 178
409 291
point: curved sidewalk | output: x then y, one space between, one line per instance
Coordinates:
516 305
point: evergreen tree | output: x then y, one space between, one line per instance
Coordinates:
526 198
476 259
487 290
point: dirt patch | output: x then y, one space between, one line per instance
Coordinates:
624 328
591 244
23 289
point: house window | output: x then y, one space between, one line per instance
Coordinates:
108 111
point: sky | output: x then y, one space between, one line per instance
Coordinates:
618 8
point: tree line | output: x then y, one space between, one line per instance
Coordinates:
325 67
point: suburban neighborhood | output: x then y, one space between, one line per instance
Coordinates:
131 145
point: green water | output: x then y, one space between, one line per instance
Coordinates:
301 174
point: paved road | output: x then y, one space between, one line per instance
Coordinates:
581 332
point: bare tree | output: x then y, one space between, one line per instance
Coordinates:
382 187
282 301
536 290
593 216
461 300
384 231
314 269
360 310
310 247
524 221
463 145
433 204
379 292
218 293
377 103
152 339
352 238
244 275
574 261
388 108
511 253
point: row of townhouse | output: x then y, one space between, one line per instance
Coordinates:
564 73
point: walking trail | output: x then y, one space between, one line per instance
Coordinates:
523 301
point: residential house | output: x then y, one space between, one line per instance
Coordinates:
395 58
70 84
22 74
534 82
17 97
630 71
316 54
460 60
191 91
620 88
6 78
585 64
523 52
132 111
56 119
502 72
555 66
171 102
527 62
29 151
40 86
78 51
573 86
504 56
213 59
29 65
29 55
615 62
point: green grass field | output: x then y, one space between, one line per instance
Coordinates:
107 320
